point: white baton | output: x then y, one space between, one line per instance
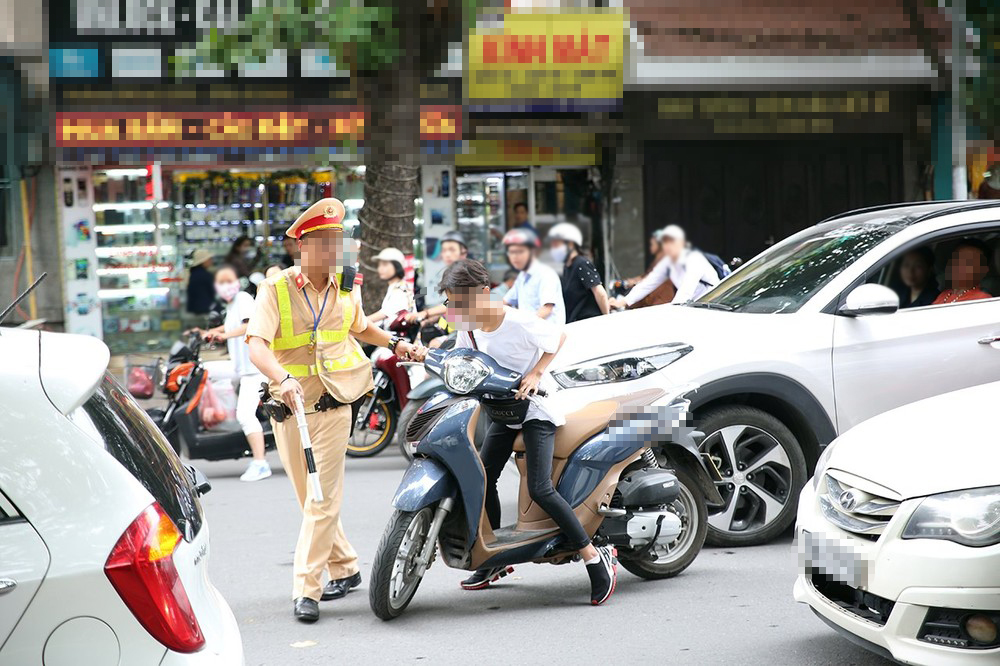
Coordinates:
300 419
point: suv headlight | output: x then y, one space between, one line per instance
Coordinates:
968 517
464 373
621 367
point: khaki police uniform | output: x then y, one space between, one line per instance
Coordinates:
325 360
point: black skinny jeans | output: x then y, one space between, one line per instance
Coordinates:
539 445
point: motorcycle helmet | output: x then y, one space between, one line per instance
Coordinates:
521 236
454 236
391 254
566 232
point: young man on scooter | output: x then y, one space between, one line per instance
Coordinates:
520 341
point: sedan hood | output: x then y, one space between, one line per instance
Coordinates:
646 327
937 445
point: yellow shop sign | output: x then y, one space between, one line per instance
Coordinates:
572 59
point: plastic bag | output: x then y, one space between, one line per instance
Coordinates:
211 410
225 393
140 383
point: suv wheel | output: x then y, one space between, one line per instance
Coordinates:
763 470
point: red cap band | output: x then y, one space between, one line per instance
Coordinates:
317 223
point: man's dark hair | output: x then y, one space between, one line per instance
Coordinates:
520 204
464 275
511 274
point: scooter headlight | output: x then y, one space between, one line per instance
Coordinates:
463 374
621 367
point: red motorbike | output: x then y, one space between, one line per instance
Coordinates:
377 419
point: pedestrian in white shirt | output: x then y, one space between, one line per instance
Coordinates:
398 295
689 270
538 287
239 307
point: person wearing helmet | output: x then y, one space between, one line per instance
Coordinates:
537 287
662 294
688 269
583 294
398 295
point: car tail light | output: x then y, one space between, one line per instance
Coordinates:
141 568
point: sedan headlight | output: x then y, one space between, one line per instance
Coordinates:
821 464
968 517
621 367
464 373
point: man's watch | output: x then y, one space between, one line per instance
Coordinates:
393 341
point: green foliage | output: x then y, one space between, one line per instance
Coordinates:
982 93
363 35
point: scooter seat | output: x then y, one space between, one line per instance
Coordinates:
580 426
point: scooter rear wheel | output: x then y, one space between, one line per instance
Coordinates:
395 576
678 556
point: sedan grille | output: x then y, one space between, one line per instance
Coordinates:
854 509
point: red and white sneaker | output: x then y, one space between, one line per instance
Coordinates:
483 578
603 575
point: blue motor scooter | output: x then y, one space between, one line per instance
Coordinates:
650 503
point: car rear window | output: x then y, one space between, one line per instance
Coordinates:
113 419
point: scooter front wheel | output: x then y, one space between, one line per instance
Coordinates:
377 431
396 574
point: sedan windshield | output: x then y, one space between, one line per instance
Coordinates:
785 277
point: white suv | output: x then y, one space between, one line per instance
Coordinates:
103 544
800 344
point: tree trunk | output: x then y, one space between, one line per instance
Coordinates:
392 144
386 220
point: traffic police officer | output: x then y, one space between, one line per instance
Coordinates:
303 336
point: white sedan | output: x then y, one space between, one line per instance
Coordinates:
104 547
898 534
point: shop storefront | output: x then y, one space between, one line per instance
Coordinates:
741 170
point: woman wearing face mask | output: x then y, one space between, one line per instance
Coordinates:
583 292
239 306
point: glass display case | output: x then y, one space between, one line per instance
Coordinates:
137 263
215 208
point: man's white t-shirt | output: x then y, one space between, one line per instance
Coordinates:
239 310
692 276
517 344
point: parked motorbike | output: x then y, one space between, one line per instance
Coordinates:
184 384
377 419
651 505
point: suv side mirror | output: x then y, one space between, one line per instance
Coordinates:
870 299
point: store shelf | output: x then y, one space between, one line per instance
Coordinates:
119 250
125 292
134 270
129 205
128 228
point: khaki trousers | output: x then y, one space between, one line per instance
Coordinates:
322 543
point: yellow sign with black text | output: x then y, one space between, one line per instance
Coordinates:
548 61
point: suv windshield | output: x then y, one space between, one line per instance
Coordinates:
112 418
784 278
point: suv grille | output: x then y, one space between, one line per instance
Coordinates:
856 510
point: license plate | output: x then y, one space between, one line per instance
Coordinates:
832 556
